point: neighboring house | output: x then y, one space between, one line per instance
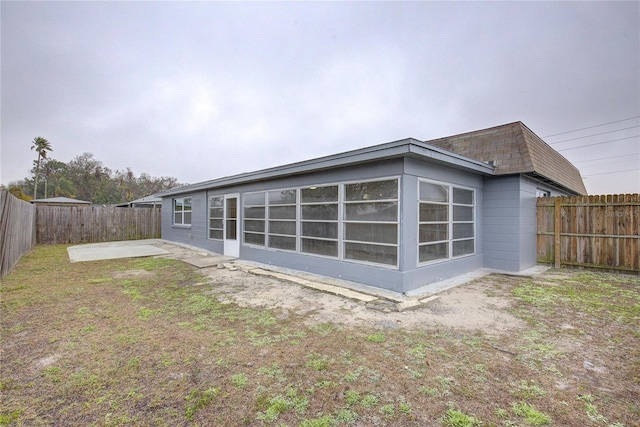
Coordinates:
397 216
61 201
152 201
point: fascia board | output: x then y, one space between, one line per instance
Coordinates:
396 149
425 150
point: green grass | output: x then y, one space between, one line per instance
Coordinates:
530 414
94 344
455 418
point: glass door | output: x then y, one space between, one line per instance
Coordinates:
231 223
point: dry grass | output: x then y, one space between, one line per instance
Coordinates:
142 342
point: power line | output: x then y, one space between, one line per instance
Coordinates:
607 158
597 143
591 127
607 173
594 134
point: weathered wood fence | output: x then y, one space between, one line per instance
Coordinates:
65 224
17 230
590 231
22 225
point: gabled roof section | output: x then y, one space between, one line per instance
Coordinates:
403 148
515 149
61 200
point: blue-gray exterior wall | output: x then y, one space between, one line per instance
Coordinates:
509 221
415 275
197 233
409 275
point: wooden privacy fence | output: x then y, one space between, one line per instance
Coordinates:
590 231
17 230
65 224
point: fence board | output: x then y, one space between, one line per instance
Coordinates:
17 230
71 224
591 231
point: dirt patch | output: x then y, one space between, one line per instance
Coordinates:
478 305
46 361
133 274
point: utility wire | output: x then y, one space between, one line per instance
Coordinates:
607 158
591 127
607 173
594 134
597 143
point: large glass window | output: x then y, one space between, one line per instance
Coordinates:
182 211
216 216
282 214
446 216
319 220
371 221
352 221
254 218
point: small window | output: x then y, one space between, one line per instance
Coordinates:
182 211
216 216
542 193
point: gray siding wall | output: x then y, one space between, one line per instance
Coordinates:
509 220
197 233
501 222
528 227
406 277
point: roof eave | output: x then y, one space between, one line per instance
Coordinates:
402 148
554 183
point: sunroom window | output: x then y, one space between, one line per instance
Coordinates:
446 218
371 221
319 220
282 217
216 217
347 221
182 211
254 218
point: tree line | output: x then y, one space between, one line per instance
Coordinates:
84 178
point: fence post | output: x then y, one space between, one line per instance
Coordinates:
556 231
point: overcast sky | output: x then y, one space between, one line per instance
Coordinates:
202 90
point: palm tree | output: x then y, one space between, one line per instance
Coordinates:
41 145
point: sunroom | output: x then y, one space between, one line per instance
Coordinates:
397 216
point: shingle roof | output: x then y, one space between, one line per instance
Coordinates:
514 149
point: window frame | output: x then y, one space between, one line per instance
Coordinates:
263 219
344 242
271 222
450 222
220 218
340 221
181 212
335 221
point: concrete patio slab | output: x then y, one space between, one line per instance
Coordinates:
114 250
207 261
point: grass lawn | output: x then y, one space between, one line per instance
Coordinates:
140 342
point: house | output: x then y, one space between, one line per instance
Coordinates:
151 201
61 201
397 216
